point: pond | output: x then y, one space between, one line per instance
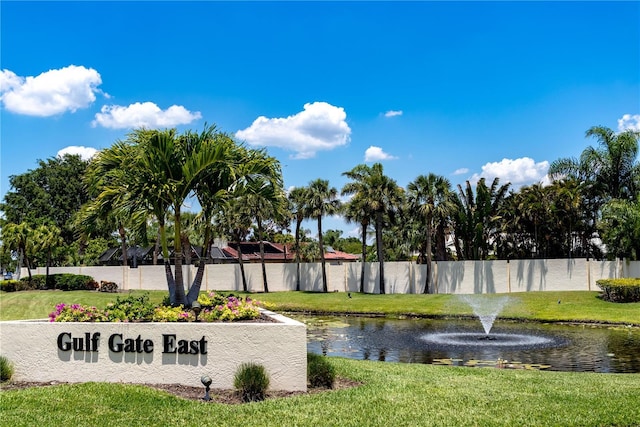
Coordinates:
513 345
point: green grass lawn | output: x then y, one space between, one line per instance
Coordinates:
391 394
574 306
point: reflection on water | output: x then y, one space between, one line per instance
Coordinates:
569 348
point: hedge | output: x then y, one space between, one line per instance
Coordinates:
620 290
65 282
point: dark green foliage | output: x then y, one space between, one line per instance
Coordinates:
131 308
6 369
251 380
50 194
65 282
8 285
320 373
620 290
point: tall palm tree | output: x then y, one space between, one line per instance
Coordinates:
161 170
298 200
612 168
357 210
430 197
607 172
264 199
383 198
478 216
323 200
47 237
18 237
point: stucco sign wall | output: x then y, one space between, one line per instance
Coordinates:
165 353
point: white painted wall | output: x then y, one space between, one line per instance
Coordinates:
451 277
280 347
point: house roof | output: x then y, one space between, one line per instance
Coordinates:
280 252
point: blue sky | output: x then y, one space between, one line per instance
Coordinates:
460 89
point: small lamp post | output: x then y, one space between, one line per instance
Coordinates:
196 307
206 381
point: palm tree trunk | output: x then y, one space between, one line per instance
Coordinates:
364 255
123 244
26 261
324 270
298 255
194 290
427 281
261 244
380 249
244 278
180 296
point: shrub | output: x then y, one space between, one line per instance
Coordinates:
172 314
251 380
130 308
74 282
320 373
8 285
111 287
620 290
6 369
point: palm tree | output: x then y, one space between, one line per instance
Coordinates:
18 237
323 200
357 210
47 237
477 217
382 197
430 197
612 169
298 199
160 171
264 199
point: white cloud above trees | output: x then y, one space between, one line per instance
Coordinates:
629 121
374 154
519 172
143 115
50 93
85 153
320 126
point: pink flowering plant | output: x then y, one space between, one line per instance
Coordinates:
215 307
231 309
76 313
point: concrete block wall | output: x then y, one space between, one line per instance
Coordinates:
450 277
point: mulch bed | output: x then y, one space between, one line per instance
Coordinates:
229 397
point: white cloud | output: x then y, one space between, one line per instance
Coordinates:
373 154
393 113
85 153
519 172
629 121
143 115
50 93
461 171
320 126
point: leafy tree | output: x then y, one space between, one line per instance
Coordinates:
49 194
323 200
